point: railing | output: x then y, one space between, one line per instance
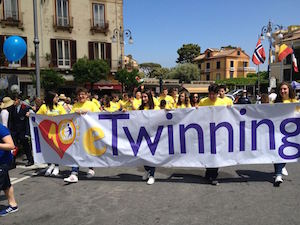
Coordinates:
246 69
207 70
63 23
232 69
12 18
202 81
99 26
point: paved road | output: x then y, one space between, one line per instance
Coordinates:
179 196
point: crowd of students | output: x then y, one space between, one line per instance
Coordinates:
15 113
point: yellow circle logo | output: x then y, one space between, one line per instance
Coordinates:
66 132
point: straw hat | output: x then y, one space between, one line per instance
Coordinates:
6 102
62 97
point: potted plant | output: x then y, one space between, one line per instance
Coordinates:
48 58
32 57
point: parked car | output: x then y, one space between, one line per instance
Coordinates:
234 93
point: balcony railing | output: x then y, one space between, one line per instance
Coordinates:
12 18
99 26
232 69
245 69
63 23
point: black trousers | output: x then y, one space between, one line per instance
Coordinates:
20 139
211 173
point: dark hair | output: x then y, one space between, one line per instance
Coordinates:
150 100
193 103
106 101
49 99
162 104
222 86
292 93
213 88
186 99
81 89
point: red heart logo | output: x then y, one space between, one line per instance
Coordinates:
51 134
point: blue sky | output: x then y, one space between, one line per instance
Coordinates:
160 27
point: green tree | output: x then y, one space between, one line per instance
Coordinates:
127 79
187 53
51 80
185 72
160 72
90 71
148 68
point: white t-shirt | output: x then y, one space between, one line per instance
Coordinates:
4 117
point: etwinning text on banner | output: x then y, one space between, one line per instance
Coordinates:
204 137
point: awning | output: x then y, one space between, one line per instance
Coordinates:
199 90
115 87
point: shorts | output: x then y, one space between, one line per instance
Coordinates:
4 178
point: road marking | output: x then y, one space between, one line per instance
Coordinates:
15 181
13 178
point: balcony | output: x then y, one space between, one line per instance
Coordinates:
12 19
207 70
99 27
246 69
232 69
63 23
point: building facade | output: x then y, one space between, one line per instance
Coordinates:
283 71
68 30
215 64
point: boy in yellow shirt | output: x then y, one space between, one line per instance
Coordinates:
169 100
222 90
212 100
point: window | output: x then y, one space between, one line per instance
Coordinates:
245 64
99 50
63 53
238 53
98 12
231 74
207 76
62 12
231 63
11 9
218 76
218 65
208 54
199 66
207 65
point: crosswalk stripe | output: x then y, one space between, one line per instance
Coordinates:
13 178
20 179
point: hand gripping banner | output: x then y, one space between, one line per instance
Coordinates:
204 137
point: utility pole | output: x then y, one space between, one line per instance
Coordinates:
36 46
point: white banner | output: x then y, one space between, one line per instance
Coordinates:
204 137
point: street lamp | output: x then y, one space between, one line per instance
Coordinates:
121 34
267 31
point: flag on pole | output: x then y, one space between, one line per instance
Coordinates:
284 51
259 54
294 60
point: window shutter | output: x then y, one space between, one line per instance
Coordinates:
2 57
73 52
53 52
24 60
108 53
91 50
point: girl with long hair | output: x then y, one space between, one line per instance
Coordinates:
51 108
148 104
285 94
183 101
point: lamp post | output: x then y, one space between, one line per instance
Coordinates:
36 45
120 34
267 31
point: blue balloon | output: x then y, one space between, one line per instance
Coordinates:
14 48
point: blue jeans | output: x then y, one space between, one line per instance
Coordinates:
75 170
151 170
278 168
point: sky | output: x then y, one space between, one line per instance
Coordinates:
160 27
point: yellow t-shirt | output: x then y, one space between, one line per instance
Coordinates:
182 106
126 105
207 102
87 105
136 103
156 102
114 107
169 100
57 110
290 101
96 102
227 100
147 108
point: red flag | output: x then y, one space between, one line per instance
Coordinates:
259 54
294 60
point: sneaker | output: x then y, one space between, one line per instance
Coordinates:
8 209
146 175
90 174
49 170
215 182
151 180
71 179
284 171
55 172
278 180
